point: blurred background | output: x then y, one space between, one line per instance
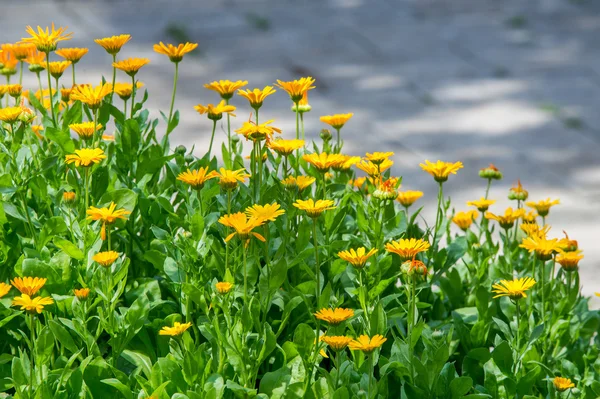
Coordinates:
507 82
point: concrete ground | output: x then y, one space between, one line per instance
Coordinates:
507 82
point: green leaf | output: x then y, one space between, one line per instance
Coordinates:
62 336
503 358
197 226
304 338
123 197
125 391
460 386
69 248
60 137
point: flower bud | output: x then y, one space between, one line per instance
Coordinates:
491 173
180 150
325 134
189 158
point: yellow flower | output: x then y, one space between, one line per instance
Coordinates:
21 50
243 226
32 305
441 170
175 54
481 204
177 329
507 220
86 157
107 216
223 287
46 40
374 170
542 247
285 147
358 183
34 59
529 217
336 121
38 129
378 157
314 209
113 44
131 66
215 112
569 260
357 258
65 94
73 54
256 96
300 182
226 88
534 230
91 96
407 248
125 90
543 207
14 90
4 288
366 344
106 258
518 193
296 88
28 285
562 384
57 68
491 172
69 196
252 131
10 114
197 178
323 161
514 289
465 219
386 190
265 213
85 130
228 179
82 293
567 244
337 343
407 198
345 162
334 316
8 63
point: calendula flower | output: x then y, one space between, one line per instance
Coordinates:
215 112
69 197
490 173
567 244
91 96
243 226
46 40
529 217
345 162
481 204
113 44
314 209
82 293
174 53
73 54
177 329
358 183
21 50
34 59
125 90
542 247
265 213
357 257
543 207
569 260
441 170
337 343
10 114
407 248
197 178
562 384
226 88
507 220
296 88
285 147
38 129
514 289
414 266
299 183
534 230
374 170
28 285
85 130
14 90
107 215
323 161
8 63
86 157
366 344
378 157
407 198
386 190
256 96
65 94
32 306
518 192
334 316
302 106
56 68
4 288
229 179
254 132
223 287
131 66
106 258
464 219
336 121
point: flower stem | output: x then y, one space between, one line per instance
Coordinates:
337 366
487 189
73 70
212 137
21 72
245 274
132 96
438 214
227 232
518 343
317 265
371 372
49 91
229 137
24 201
174 91
338 147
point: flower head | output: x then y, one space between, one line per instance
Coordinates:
21 50
514 289
518 192
197 178
175 53
82 293
254 132
334 316
441 170
464 219
386 190
414 266
223 287
243 226
106 258
314 209
567 244
481 204
507 220
215 112
91 96
323 161
345 162
266 213
302 106
10 114
407 198
72 54
28 285
407 248
543 207
366 344
256 96
529 217
374 170
32 305
14 90
4 288
226 88
542 247
106 216
337 343
490 173
34 59
357 257
125 90
378 157
534 230
569 260
177 329
85 130
113 44
85 157
46 40
296 88
285 147
131 66
562 384
336 121
299 183
229 179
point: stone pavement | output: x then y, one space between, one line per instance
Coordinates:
509 82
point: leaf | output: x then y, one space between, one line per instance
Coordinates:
60 137
123 197
62 336
113 382
503 358
460 386
197 226
69 248
304 338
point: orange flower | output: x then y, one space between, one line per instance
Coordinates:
226 88
113 44
296 88
46 40
256 96
131 66
73 54
175 54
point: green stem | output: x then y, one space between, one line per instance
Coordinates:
50 91
227 232
337 366
174 91
132 96
487 189
518 343
73 70
21 72
26 210
317 265
114 78
364 288
337 147
212 137
245 274
372 371
260 170
229 137
125 109
543 292
32 354
438 214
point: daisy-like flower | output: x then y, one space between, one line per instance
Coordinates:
464 219
85 130
131 66
125 90
86 157
296 88
38 129
543 207
299 183
73 54
514 289
336 342
323 161
10 114
254 132
197 178
215 112
256 96
28 285
357 257
265 213
562 384
226 88
302 106
481 204
69 197
518 192
336 121
113 44
441 170
14 90
534 230
65 94
529 217
243 226
386 190
414 266
358 183
21 50
334 316
569 260
543 248
507 220
407 248
107 216
175 53
32 305
223 287
91 96
229 179
314 209
378 157
374 170
366 344
4 288
345 162
34 59
177 329
407 198
106 258
82 293
567 244
490 173
46 40
285 147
